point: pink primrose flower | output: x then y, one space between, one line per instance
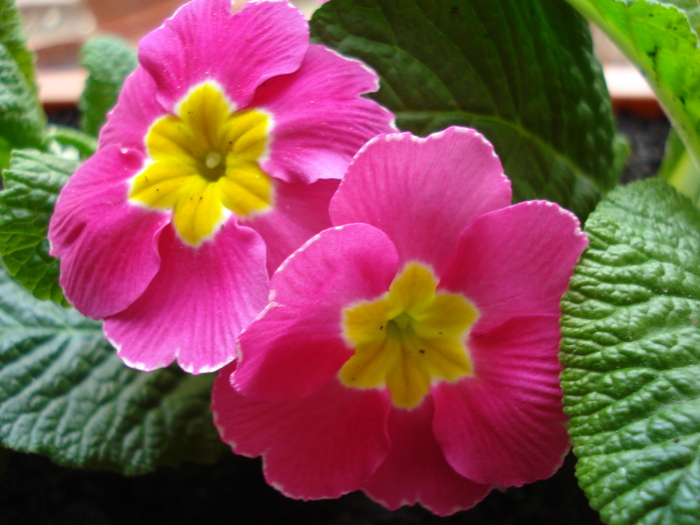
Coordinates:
411 351
218 161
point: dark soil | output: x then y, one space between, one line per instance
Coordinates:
33 490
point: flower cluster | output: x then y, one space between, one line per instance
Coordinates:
217 162
406 343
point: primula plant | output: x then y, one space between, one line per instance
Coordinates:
396 234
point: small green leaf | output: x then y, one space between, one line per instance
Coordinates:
109 61
32 183
13 38
64 393
67 138
631 356
520 71
658 38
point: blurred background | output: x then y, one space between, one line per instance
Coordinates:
58 28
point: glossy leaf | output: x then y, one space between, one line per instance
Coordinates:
520 71
659 39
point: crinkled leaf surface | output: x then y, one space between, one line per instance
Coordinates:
32 183
22 119
13 38
631 353
658 37
520 71
108 61
64 393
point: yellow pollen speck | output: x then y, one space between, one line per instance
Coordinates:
205 161
408 338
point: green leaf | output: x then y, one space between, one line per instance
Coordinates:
32 183
66 138
631 357
13 38
679 170
64 393
658 38
109 61
691 8
22 120
520 71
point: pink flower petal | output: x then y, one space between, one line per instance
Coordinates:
322 446
516 261
197 304
320 121
415 470
296 346
108 247
300 211
136 110
205 41
422 192
506 425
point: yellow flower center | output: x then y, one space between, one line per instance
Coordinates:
408 337
205 164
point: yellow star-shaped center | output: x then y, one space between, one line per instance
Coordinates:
408 338
205 164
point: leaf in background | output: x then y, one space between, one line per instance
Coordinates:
66 138
13 38
631 356
64 393
658 38
520 71
32 183
679 170
22 120
690 7
109 61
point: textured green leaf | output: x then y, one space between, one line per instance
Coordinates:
658 38
109 61
22 120
13 38
520 71
64 393
631 356
32 183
